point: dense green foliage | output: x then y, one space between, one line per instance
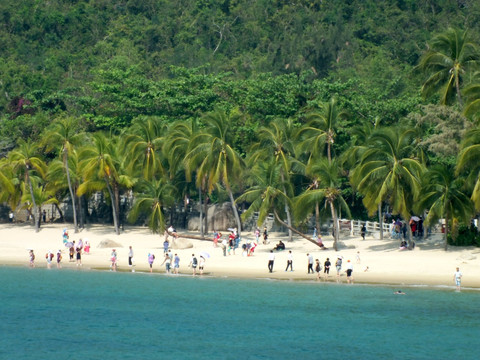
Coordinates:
152 72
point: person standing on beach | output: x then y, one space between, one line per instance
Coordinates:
289 261
257 235
363 231
71 251
31 258
326 268
165 246
349 272
271 260
151 259
318 268
338 265
130 258
201 264
59 259
358 257
79 254
113 259
310 264
167 261
265 236
457 277
176 264
49 256
193 264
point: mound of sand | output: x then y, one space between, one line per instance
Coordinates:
107 243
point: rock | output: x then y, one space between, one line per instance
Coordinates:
220 217
180 244
108 244
466 257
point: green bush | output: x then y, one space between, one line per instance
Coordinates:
467 236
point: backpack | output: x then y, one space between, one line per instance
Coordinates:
194 261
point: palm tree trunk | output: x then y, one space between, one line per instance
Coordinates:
114 208
380 220
459 96
205 210
235 212
72 195
335 225
317 218
59 212
201 211
36 215
446 231
287 210
294 230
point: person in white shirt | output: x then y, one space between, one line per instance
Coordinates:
457 277
289 261
349 272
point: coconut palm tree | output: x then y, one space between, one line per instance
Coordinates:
320 129
468 162
150 197
65 135
212 156
442 195
277 141
327 190
144 141
387 173
450 56
10 192
103 166
25 159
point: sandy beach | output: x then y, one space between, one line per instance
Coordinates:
427 264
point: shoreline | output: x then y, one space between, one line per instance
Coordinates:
427 265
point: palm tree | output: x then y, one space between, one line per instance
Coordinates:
327 175
320 129
25 159
103 166
41 195
446 62
442 195
468 160
277 141
144 139
266 194
472 95
150 197
10 192
213 157
65 135
386 172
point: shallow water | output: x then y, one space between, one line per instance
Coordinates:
64 314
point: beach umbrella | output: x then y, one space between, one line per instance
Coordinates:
205 254
68 244
415 218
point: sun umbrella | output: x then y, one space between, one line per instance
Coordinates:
415 218
205 254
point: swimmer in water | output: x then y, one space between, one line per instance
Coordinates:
399 292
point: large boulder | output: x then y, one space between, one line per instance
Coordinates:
220 217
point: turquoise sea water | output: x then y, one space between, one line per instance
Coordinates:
65 314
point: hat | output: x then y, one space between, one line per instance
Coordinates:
348 260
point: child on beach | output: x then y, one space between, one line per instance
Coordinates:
113 259
31 257
86 250
318 268
151 258
59 258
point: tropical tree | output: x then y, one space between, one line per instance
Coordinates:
9 185
327 190
41 195
450 56
213 157
320 129
442 195
25 159
144 140
277 141
150 197
266 194
468 162
103 166
387 173
65 135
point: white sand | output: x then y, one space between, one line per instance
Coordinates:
427 264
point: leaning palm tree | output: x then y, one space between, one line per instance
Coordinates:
65 135
387 172
327 174
150 197
442 195
42 195
25 159
212 155
450 56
